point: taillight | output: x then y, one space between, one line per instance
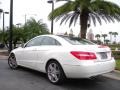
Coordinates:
84 55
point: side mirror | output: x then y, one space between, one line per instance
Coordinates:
19 45
22 45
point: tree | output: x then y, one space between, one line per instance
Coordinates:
104 36
66 33
86 11
4 40
33 28
98 39
107 41
97 36
17 35
115 34
1 36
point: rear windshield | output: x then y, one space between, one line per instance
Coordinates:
77 41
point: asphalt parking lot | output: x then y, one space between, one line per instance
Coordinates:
26 79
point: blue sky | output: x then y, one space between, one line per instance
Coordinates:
39 9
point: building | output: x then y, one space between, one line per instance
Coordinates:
90 35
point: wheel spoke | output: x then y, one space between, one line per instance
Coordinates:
12 62
55 77
52 78
53 72
57 72
51 67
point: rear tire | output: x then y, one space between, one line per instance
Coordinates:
55 72
12 62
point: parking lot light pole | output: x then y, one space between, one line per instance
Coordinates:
2 11
52 2
4 23
4 20
11 26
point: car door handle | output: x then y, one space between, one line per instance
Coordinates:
34 49
44 50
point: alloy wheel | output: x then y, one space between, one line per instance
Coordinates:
12 61
55 73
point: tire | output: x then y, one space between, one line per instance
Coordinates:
12 62
55 72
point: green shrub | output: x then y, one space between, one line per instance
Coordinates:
113 47
118 64
116 54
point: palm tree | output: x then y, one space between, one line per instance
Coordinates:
110 36
34 28
97 36
66 33
104 36
107 41
23 33
86 11
115 34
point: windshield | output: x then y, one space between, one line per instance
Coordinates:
77 41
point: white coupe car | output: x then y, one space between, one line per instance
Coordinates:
63 57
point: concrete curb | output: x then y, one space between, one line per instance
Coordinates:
113 75
117 71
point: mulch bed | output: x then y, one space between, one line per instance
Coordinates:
4 55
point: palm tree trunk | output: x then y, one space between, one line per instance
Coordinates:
115 39
97 38
83 23
104 40
110 37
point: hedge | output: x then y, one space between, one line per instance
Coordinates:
116 54
113 47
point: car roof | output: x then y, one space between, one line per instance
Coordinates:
57 37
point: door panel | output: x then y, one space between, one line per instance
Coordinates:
29 56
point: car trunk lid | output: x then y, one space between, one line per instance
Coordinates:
103 53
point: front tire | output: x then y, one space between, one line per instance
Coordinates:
12 62
55 72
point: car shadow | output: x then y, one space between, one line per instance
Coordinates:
69 83
31 71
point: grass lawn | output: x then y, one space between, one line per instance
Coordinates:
118 64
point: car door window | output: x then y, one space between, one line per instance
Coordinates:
34 42
49 41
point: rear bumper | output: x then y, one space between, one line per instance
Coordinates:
86 71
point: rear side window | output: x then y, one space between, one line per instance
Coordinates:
34 42
49 41
77 41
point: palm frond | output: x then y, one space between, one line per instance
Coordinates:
108 11
65 18
93 19
76 18
97 17
64 9
72 18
